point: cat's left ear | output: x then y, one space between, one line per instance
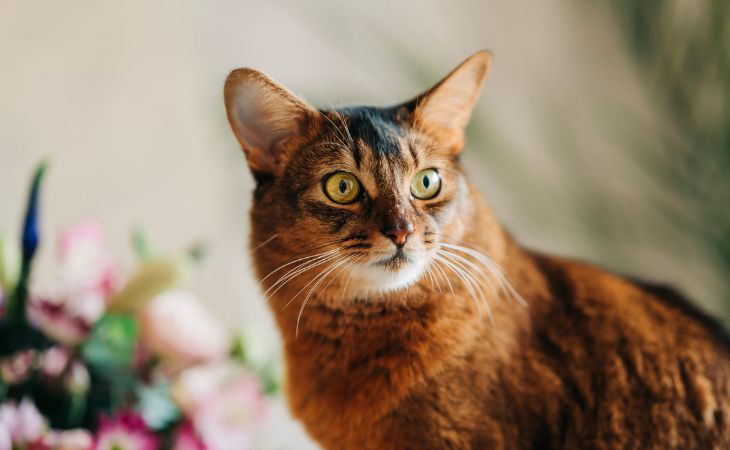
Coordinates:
266 118
443 111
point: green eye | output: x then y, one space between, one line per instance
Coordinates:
342 187
426 184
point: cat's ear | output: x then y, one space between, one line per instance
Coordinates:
266 118
443 111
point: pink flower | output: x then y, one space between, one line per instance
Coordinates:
67 320
176 326
54 361
67 311
224 402
126 431
187 439
86 266
15 369
22 422
5 442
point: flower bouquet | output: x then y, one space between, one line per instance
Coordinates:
107 360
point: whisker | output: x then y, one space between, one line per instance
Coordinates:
443 275
504 281
486 278
316 285
313 280
433 279
307 266
296 261
265 243
338 133
471 276
344 125
469 284
349 277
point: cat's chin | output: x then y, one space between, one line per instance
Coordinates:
378 278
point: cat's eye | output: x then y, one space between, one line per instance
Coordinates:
426 184
342 187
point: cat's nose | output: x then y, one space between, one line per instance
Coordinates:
398 233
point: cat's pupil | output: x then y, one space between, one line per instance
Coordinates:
426 181
343 186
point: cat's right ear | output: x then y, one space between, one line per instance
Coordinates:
266 118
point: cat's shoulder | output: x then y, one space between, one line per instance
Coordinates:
606 300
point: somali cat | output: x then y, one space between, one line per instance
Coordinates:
412 320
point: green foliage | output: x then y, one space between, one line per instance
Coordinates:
112 342
258 356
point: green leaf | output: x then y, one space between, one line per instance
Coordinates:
112 342
9 264
141 245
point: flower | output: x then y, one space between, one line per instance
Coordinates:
226 421
22 422
73 440
196 384
86 266
67 320
150 280
78 439
126 431
224 403
54 361
176 326
16 368
187 438
5 442
67 311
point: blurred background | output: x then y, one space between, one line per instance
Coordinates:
603 132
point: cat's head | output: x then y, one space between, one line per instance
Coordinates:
364 192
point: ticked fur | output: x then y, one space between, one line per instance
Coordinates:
458 338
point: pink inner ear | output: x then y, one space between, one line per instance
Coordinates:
263 116
254 136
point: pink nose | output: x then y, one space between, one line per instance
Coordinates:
399 234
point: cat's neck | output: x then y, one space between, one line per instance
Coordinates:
359 355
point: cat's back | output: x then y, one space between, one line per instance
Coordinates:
638 365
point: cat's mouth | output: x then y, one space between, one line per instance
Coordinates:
395 262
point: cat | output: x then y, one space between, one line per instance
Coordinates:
411 319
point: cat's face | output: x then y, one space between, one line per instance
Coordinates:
365 192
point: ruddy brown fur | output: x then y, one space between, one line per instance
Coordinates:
592 361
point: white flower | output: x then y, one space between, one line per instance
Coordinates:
23 422
176 326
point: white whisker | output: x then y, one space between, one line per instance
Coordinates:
504 282
316 285
443 275
304 267
469 282
265 243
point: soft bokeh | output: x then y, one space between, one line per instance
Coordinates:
603 132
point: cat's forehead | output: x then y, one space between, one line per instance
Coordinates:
376 129
374 137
